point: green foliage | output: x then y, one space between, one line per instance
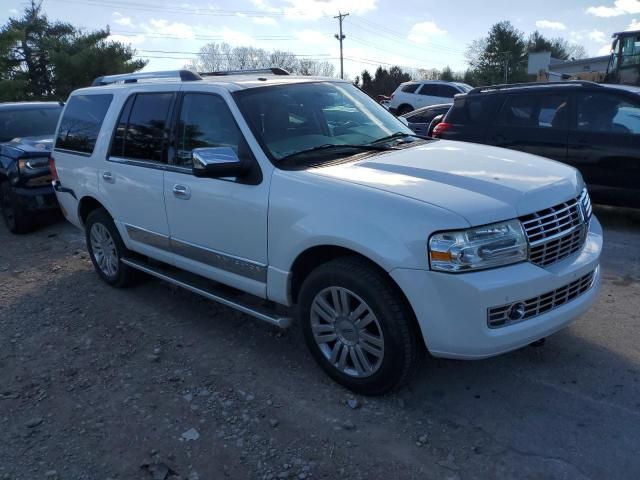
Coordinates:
559 47
40 59
503 53
384 81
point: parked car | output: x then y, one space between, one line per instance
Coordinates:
412 95
306 198
420 120
593 127
27 129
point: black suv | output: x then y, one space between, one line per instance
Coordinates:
27 129
593 127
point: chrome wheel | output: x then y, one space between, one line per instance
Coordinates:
104 249
347 332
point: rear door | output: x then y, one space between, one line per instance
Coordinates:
604 144
533 123
427 95
132 178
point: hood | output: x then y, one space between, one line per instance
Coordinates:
482 184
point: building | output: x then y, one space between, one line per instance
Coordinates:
547 68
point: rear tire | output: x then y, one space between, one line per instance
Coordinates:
15 217
107 249
357 326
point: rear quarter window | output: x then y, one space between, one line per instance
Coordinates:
411 88
469 110
81 122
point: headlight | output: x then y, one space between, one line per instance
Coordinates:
477 248
33 164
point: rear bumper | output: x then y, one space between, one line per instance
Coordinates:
37 199
452 309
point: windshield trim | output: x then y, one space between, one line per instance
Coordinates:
238 94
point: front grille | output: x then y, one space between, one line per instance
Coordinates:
557 232
503 315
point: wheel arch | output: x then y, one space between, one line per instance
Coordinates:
88 204
315 256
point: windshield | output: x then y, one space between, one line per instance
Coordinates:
290 119
32 122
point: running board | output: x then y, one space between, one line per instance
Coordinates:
207 288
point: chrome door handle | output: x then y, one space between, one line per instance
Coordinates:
181 191
108 177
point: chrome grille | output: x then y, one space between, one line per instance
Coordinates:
557 232
501 316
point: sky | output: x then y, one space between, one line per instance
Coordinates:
411 33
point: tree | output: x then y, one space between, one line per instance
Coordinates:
501 56
215 57
40 59
447 75
559 47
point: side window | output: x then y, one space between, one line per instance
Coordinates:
206 121
535 111
429 89
446 91
605 113
117 147
81 122
145 133
411 88
469 110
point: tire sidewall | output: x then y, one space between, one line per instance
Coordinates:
102 217
19 223
394 352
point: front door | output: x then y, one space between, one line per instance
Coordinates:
132 178
604 144
218 226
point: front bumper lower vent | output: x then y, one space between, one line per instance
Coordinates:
518 311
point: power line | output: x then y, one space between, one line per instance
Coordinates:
187 11
224 54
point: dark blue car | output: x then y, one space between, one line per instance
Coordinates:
26 133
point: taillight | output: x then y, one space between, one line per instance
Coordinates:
440 129
52 168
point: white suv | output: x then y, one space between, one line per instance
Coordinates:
312 201
412 95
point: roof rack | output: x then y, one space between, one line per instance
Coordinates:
183 75
506 86
268 71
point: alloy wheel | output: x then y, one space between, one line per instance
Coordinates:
347 332
104 250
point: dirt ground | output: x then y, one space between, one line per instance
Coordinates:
153 382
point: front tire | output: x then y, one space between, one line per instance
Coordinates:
357 326
107 249
14 215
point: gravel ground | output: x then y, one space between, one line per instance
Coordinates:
153 382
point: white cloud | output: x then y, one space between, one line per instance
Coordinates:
423 32
265 21
164 27
597 36
122 20
13 11
634 25
550 25
604 50
620 7
314 9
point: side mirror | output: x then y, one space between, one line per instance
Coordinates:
217 162
404 121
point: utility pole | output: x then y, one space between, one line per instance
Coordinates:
340 38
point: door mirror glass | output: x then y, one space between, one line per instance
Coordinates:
216 162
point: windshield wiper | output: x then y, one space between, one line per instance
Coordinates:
336 146
393 136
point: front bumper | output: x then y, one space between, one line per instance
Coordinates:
452 308
37 199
